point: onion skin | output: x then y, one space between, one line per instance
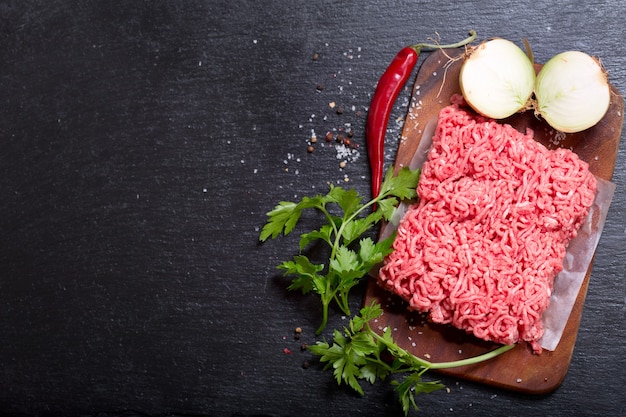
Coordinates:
497 79
572 92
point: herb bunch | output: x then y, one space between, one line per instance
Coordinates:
351 255
357 353
360 353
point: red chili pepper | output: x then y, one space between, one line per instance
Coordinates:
385 95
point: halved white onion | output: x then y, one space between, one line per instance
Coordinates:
572 92
497 79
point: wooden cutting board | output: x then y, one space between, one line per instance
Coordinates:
518 369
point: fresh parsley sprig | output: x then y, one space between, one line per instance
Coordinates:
360 353
351 255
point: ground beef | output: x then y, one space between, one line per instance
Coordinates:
482 247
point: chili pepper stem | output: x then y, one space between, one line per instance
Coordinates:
424 45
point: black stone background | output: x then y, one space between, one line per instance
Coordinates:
142 143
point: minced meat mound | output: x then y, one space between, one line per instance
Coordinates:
496 211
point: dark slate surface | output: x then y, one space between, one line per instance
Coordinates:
142 144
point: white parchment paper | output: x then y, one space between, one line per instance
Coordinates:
575 265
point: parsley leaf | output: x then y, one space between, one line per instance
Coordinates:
403 185
348 218
411 386
307 277
358 353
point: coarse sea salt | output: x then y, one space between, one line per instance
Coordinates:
346 153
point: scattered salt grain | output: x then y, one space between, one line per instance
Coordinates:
346 153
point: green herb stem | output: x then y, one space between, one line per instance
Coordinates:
439 365
473 360
325 307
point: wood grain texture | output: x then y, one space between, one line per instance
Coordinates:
518 369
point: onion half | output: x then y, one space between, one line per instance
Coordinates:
572 92
497 79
